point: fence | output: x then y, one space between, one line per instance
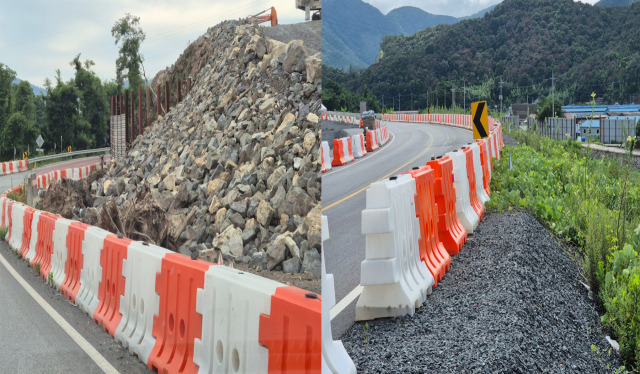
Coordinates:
616 130
510 121
558 128
124 127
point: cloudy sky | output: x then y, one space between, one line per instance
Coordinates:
456 8
39 36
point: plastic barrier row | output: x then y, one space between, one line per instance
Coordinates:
416 221
346 119
458 120
178 315
11 167
45 180
346 150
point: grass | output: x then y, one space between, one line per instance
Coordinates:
19 196
594 205
3 232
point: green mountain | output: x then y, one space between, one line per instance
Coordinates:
587 48
36 90
615 2
352 30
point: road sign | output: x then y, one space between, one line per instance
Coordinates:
39 150
39 141
69 149
480 120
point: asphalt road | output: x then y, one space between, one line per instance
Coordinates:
42 332
343 200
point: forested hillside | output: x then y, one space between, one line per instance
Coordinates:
587 48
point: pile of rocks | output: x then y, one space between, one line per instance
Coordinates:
235 164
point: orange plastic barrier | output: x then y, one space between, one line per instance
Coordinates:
485 166
339 157
9 209
10 167
432 252
5 221
75 260
349 156
4 168
44 244
471 175
111 287
450 230
292 331
177 323
372 143
63 173
26 232
324 168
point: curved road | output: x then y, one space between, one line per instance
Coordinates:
343 200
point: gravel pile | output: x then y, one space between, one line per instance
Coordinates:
234 166
512 302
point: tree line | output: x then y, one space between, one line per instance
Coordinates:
73 113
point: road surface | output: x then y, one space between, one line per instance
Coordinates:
343 200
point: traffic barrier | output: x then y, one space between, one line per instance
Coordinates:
335 358
44 244
486 168
26 233
17 226
9 216
450 230
73 265
395 282
356 145
348 149
5 201
476 203
91 274
178 323
140 301
479 173
112 284
45 180
326 156
292 331
432 252
31 252
379 137
466 214
60 253
229 342
11 167
372 144
340 152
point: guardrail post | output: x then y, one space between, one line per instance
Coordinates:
166 97
158 100
126 114
148 97
140 110
131 114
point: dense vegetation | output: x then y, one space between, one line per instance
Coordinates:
593 204
587 48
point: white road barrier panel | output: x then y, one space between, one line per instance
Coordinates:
477 168
394 279
356 146
335 358
379 137
326 155
487 156
467 216
17 221
59 256
140 301
229 342
91 273
34 237
496 145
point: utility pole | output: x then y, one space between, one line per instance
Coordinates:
427 97
453 96
412 101
501 82
464 90
553 95
393 102
399 103
382 101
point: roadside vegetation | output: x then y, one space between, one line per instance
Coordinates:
594 204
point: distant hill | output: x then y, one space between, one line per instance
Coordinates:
352 30
588 49
480 14
615 2
36 90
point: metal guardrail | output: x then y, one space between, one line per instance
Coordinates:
69 154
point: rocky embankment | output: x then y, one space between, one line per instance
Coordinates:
233 169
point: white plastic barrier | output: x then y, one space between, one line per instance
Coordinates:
395 281
496 147
356 146
59 256
140 301
91 273
34 236
379 137
348 150
487 156
335 358
326 155
467 216
477 168
363 144
229 342
17 221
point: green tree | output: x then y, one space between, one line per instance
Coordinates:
18 133
6 78
128 32
544 109
24 100
92 106
62 113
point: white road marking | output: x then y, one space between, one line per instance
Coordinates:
82 342
340 306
